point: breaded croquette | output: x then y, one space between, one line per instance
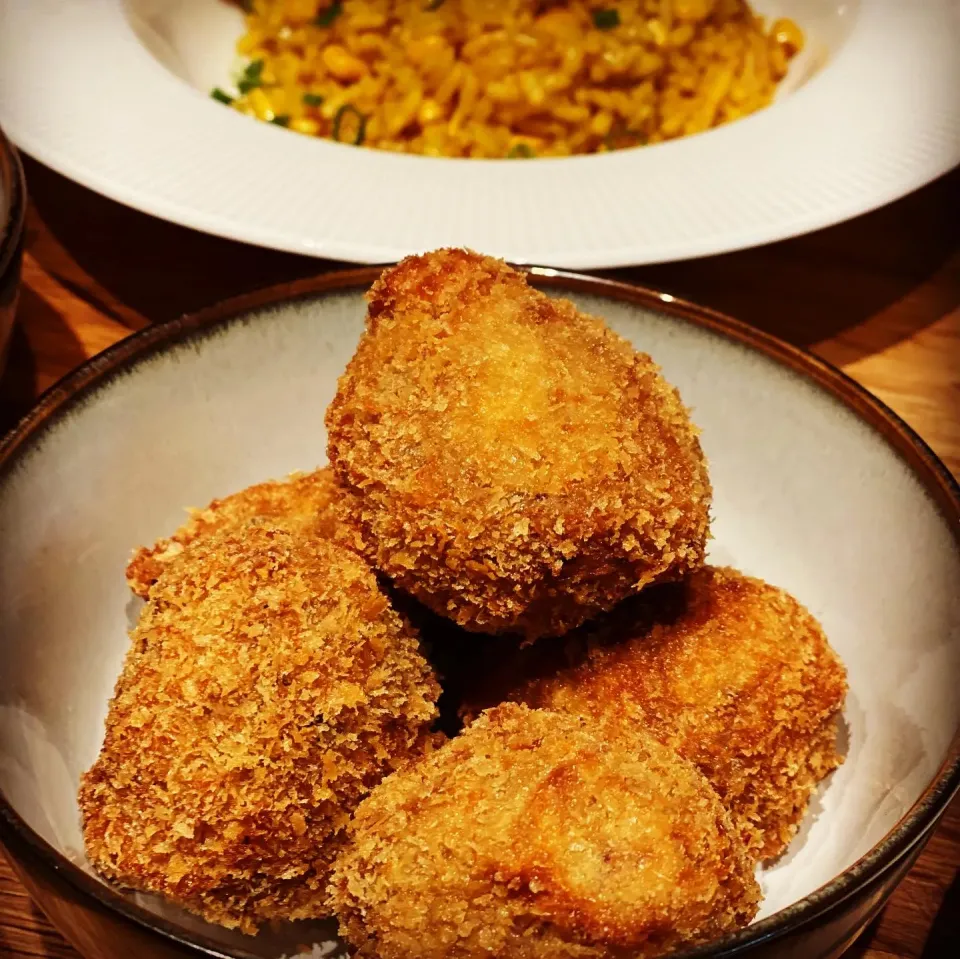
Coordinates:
510 461
304 502
740 680
531 837
268 687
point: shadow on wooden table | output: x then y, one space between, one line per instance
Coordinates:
817 286
806 290
943 940
896 933
24 930
861 948
17 385
49 336
156 269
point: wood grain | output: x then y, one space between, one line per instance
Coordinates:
878 296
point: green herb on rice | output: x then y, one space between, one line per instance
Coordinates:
251 77
328 14
606 19
342 133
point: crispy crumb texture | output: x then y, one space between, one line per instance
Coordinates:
302 503
269 685
531 836
732 673
508 460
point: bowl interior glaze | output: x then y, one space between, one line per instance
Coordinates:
808 496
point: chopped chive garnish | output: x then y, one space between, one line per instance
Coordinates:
251 76
328 14
281 120
606 19
220 96
521 151
312 99
347 110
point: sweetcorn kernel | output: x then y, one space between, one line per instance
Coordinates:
788 35
430 112
342 64
305 125
262 107
602 123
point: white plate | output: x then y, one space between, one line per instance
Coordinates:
126 111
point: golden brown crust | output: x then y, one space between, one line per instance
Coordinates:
302 503
530 836
268 687
511 462
742 682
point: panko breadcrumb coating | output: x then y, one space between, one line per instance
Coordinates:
740 680
529 836
302 503
511 462
269 686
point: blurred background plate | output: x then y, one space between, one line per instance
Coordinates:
13 206
115 94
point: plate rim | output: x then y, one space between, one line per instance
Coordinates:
909 832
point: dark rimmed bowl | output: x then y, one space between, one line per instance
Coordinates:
819 488
13 208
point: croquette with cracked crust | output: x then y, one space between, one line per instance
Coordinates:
529 836
508 460
741 681
301 503
268 687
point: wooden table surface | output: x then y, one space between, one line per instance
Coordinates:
878 296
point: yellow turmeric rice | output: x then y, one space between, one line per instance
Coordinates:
507 78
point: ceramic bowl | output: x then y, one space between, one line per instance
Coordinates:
13 205
818 488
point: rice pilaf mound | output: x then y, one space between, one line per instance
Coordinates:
508 78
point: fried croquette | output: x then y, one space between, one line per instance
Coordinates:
529 837
739 679
509 460
302 503
268 687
